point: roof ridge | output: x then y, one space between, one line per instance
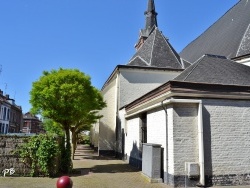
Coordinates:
152 49
137 56
241 41
172 50
195 65
216 56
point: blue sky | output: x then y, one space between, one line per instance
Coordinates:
92 36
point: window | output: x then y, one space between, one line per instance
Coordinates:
7 128
2 128
4 113
8 114
143 129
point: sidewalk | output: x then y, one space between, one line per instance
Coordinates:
92 171
106 172
111 173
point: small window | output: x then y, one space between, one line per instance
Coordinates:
4 113
143 129
7 128
8 114
2 128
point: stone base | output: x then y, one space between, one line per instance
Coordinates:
107 153
152 180
230 179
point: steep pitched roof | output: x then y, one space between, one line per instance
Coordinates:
157 52
214 69
229 36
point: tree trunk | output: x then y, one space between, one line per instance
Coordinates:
73 142
67 154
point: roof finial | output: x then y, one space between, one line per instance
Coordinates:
151 23
151 15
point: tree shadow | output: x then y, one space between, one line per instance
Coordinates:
108 168
86 152
114 168
135 158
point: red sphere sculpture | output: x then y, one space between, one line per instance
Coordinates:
64 182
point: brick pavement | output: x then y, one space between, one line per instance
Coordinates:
108 172
92 171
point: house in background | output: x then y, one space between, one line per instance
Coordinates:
16 117
31 124
10 115
154 63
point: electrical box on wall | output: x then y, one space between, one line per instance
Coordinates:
192 169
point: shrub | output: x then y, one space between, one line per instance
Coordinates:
41 153
83 139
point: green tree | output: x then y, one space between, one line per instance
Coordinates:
52 127
66 96
81 125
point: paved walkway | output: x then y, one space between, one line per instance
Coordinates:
91 171
107 172
110 172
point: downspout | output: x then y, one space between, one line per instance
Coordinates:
117 97
166 141
201 145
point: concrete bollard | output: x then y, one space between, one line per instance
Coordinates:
64 182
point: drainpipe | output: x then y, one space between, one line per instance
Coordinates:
201 145
166 140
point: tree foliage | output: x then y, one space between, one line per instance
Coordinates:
64 95
67 97
40 152
52 127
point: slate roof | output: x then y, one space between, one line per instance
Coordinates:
157 52
229 36
214 69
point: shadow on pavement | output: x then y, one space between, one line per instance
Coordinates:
99 164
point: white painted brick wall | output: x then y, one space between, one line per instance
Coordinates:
132 136
108 121
135 83
229 123
185 132
156 129
94 134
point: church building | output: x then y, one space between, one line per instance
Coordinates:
194 105
154 62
